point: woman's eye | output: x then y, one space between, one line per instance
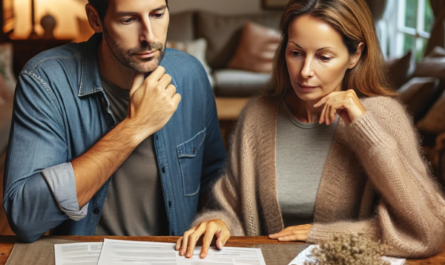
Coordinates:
295 53
325 58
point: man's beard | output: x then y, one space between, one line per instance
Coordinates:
127 59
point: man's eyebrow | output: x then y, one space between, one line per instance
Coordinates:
122 14
303 49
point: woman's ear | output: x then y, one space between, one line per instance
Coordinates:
353 60
93 18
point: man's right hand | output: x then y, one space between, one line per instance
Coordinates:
153 100
186 244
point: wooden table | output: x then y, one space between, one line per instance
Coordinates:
7 243
229 108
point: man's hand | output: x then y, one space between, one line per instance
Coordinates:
186 244
344 103
292 233
153 100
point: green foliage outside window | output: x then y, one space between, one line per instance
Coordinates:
417 43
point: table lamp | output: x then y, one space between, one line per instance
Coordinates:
33 34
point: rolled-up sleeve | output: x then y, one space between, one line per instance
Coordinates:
61 181
39 184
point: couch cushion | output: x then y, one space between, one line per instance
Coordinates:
436 52
434 120
256 49
418 94
238 83
432 65
181 27
223 33
399 70
197 48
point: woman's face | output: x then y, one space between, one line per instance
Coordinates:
316 58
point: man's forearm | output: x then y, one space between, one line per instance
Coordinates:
94 168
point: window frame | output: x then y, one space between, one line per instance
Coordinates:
392 28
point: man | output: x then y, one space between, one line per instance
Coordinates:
105 141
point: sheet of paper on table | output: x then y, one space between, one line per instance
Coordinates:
124 252
306 255
77 253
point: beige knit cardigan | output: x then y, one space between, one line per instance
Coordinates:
374 182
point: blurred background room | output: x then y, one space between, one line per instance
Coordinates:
235 40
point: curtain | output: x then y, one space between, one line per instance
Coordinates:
437 33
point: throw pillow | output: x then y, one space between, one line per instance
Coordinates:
256 49
398 70
434 121
432 65
417 94
223 33
196 48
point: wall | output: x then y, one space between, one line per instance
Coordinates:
66 13
217 6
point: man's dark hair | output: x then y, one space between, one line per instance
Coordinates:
102 5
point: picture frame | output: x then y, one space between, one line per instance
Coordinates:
274 4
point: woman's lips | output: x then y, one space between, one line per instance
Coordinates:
306 88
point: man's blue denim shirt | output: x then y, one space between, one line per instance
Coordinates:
61 111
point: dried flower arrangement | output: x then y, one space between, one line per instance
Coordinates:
348 249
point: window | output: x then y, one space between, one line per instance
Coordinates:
406 25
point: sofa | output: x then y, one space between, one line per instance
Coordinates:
421 85
222 34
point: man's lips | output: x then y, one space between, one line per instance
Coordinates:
145 54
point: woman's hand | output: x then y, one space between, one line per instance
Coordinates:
186 244
344 103
292 233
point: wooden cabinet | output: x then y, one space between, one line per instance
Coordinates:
26 49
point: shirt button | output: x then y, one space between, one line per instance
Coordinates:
169 204
163 169
96 211
157 137
194 150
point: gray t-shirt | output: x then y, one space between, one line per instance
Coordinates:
301 153
135 204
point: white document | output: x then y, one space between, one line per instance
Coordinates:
306 255
77 253
122 252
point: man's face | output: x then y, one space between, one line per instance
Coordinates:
136 32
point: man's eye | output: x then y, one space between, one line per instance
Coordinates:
128 20
158 15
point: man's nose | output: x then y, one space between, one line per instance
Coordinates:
146 34
307 71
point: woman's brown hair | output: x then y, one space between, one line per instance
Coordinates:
353 20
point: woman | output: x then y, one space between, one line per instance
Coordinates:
328 150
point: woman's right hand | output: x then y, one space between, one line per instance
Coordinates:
186 244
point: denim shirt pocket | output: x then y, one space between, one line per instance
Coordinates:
190 157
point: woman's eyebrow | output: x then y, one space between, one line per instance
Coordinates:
327 47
